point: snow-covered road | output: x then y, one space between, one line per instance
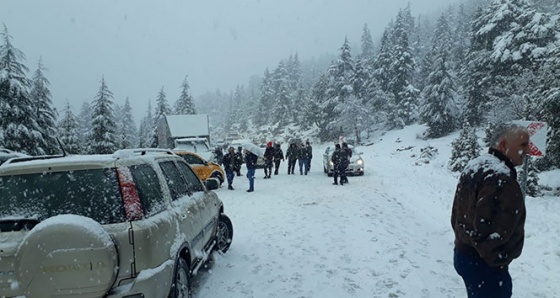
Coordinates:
385 234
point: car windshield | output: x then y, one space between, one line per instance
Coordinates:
90 193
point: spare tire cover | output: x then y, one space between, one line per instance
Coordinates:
67 255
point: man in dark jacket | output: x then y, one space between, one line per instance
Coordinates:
488 215
338 158
278 157
308 157
230 163
251 164
292 155
268 157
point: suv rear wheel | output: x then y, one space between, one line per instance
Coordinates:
181 281
224 233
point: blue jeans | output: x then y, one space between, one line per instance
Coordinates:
480 279
301 163
229 176
251 176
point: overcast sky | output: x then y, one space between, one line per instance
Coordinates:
141 45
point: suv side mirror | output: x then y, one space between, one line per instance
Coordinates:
212 183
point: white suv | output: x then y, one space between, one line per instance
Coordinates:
137 223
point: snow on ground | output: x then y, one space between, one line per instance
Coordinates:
385 234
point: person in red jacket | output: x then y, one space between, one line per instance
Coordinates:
488 215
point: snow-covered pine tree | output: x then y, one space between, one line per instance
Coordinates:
294 74
321 108
402 68
162 109
18 126
282 102
68 129
185 104
361 79
367 55
146 134
127 134
84 125
382 64
533 187
341 74
102 138
549 92
464 148
509 41
440 109
44 111
264 110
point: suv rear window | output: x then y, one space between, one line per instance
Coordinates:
91 193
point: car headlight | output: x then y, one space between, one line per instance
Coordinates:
360 162
331 163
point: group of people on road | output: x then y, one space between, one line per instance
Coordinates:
302 154
231 162
273 156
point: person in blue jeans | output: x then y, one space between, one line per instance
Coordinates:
230 164
302 159
250 163
488 215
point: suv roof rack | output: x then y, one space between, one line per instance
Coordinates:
28 158
143 151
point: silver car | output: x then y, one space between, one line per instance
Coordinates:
356 166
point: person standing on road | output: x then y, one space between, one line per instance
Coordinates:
346 162
488 215
292 156
230 164
238 160
250 163
268 157
309 155
278 157
302 158
338 163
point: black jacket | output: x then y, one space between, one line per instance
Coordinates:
250 160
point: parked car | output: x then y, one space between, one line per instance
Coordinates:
6 154
356 166
137 223
199 146
204 169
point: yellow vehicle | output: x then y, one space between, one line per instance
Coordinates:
204 169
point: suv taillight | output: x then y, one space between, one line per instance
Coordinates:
131 199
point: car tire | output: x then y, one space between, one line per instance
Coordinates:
224 233
218 176
181 284
67 255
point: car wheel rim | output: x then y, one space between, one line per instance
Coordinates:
223 232
182 284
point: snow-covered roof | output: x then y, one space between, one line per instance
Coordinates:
188 125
